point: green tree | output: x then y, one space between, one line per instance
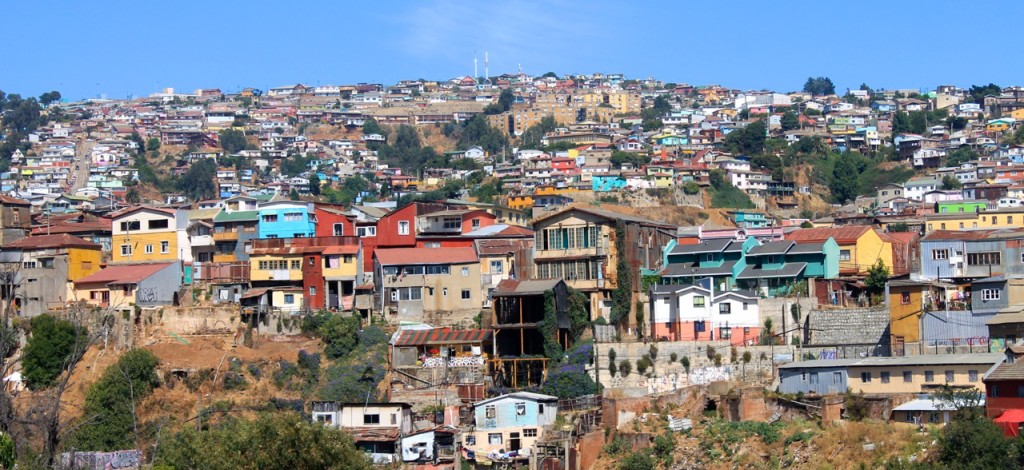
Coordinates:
819 86
314 184
109 421
790 120
806 224
976 443
8 453
339 335
878 276
532 135
844 180
197 183
152 144
749 140
691 188
49 97
49 350
370 126
949 182
979 92
549 75
963 154
272 440
637 460
133 196
900 123
233 141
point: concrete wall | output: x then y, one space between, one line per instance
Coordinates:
159 289
618 411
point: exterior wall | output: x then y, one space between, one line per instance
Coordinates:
15 222
257 273
82 262
507 421
674 317
1003 395
313 281
918 381
145 237
326 220
828 380
869 249
905 318
160 288
441 302
281 228
390 417
278 300
932 268
387 228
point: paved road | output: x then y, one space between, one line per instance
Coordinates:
83 152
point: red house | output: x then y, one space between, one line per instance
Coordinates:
332 221
1004 385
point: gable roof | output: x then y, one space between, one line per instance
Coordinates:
842 235
524 395
515 288
123 274
62 240
606 214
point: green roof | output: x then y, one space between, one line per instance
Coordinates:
236 216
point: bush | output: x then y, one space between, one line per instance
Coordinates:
109 408
642 365
638 460
284 373
49 350
625 368
372 336
340 335
616 446
672 358
254 371
691 188
235 381
569 381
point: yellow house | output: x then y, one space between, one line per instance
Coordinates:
275 264
145 234
662 180
905 300
1007 217
52 263
287 299
919 374
997 126
860 246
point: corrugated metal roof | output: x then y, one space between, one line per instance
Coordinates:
513 287
62 240
441 336
123 274
842 235
402 256
921 360
236 216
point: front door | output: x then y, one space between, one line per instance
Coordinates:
513 442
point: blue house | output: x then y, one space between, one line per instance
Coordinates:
821 376
749 219
286 219
605 183
510 422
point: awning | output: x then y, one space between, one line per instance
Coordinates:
251 293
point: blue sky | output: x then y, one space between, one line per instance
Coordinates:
118 48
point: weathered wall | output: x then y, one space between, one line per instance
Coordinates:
618 411
191 320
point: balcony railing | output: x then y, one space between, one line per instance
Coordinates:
225 236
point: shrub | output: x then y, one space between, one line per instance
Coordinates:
625 368
50 349
254 371
582 353
569 381
691 188
638 460
284 373
109 409
616 446
235 381
672 358
372 336
642 365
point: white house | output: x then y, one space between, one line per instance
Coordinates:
692 312
915 189
375 427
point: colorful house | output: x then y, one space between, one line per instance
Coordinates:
509 423
145 234
775 268
698 313
440 286
286 219
860 246
947 207
750 219
233 233
602 183
721 259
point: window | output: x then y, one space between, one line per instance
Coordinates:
940 254
972 376
158 224
165 247
465 272
929 376
293 217
520 407
131 225
983 259
270 218
450 223
126 250
466 294
698 301
444 292
905 297
348 259
885 377
724 308
394 419
476 224
990 294
496 266
403 227
296 264
494 438
289 298
371 419
529 432
908 376
366 231
29 265
709 257
725 332
339 230
470 440
431 244
312 291
865 377
814 377
149 249
489 411
837 377
949 376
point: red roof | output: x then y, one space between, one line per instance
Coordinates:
903 238
842 235
52 241
342 250
441 336
99 225
123 274
451 255
13 201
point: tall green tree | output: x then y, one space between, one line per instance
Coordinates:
979 92
819 86
748 140
844 180
314 184
232 141
790 120
49 350
878 276
197 183
49 97
109 420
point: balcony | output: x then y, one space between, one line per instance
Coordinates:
227 236
201 240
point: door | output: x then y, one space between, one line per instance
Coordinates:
513 442
898 346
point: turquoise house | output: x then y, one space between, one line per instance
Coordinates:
774 268
749 219
606 183
672 140
286 219
721 259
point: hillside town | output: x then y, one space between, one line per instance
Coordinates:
519 271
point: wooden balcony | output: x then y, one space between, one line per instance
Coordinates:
227 236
